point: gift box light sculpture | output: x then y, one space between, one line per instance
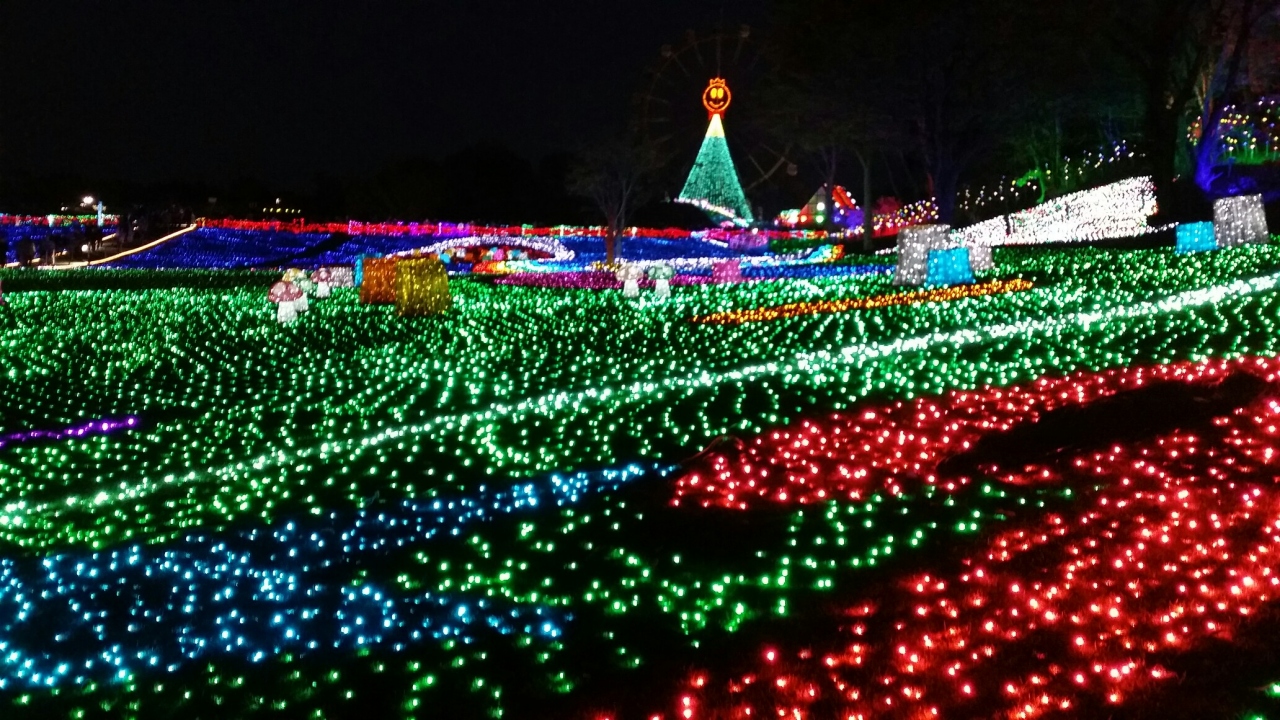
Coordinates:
980 258
357 272
1196 237
422 287
1240 220
729 271
914 245
378 286
341 276
949 267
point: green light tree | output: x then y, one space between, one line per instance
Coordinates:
713 183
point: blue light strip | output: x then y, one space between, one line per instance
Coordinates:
255 594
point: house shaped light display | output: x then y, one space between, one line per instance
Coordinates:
836 207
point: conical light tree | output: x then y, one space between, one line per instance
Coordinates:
713 183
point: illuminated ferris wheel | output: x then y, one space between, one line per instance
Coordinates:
671 112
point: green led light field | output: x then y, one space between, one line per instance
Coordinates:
245 425
244 419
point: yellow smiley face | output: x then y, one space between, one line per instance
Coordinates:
716 97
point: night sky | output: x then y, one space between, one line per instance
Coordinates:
282 90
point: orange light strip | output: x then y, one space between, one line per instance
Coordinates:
741 317
16 264
140 248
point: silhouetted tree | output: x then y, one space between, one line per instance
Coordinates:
947 82
1187 57
616 176
1238 25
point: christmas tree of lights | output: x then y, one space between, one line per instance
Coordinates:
713 183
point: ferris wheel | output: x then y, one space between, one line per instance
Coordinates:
671 113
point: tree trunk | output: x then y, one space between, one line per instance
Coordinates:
1163 145
944 189
611 244
868 210
1211 118
1206 153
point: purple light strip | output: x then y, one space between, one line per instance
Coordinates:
101 426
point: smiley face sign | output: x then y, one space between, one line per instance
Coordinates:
716 97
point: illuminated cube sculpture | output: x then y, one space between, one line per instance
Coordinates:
379 281
357 272
980 258
1240 221
949 267
728 271
914 244
342 276
421 287
1196 237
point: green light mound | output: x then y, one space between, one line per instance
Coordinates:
713 183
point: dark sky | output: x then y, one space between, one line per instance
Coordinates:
153 90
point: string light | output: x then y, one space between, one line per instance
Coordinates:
1247 134
412 233
1070 610
93 427
44 222
1117 210
546 247
835 306
1002 338
1035 183
600 280
415 438
421 287
713 182
205 248
889 221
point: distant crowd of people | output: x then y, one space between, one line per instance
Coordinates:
79 241
74 241
139 225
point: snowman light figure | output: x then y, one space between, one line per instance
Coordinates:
630 276
661 276
285 295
